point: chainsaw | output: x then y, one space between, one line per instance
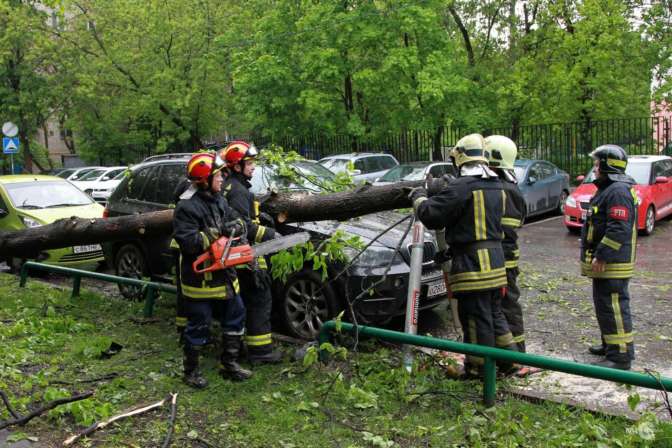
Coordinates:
227 252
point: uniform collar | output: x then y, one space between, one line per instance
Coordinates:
477 170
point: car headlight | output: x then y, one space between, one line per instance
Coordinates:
570 202
30 222
373 256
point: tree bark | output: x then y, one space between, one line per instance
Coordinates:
287 207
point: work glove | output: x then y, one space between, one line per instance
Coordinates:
442 256
266 219
417 193
213 233
435 186
236 227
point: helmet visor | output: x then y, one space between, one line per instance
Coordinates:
219 160
251 152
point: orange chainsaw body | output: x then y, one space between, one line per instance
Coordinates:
222 255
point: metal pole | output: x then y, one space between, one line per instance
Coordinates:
414 283
11 162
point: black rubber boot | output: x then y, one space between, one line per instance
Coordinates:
229 367
598 350
267 357
192 375
620 365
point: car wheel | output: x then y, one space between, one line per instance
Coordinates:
649 221
306 303
573 230
561 204
130 262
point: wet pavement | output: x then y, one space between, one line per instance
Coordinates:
560 319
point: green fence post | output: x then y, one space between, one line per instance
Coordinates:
150 297
24 276
489 382
76 283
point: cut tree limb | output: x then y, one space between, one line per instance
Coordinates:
286 206
42 409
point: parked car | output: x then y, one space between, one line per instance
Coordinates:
97 178
104 188
416 171
73 174
32 200
653 175
368 166
304 301
544 186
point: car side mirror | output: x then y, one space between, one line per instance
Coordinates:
580 178
531 180
662 180
356 172
3 213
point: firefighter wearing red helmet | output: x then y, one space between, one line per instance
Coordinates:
198 220
608 246
254 279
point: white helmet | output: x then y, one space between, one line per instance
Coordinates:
501 151
470 148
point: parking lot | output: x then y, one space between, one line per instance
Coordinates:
560 320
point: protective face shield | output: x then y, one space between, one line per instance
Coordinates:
501 151
612 161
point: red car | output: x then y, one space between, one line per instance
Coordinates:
653 175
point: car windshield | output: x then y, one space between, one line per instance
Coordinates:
31 195
120 175
335 164
65 173
310 178
92 175
641 172
519 171
404 172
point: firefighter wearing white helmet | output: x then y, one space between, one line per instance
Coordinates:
471 207
502 152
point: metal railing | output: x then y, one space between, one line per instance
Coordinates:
150 289
492 354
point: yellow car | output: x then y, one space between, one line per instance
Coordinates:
33 200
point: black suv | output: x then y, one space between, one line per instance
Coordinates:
304 301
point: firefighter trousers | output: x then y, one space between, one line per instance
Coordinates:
255 287
612 307
483 322
229 312
512 309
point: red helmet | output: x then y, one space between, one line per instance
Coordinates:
238 151
201 167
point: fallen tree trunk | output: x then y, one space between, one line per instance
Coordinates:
287 207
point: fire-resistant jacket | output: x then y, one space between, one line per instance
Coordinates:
241 199
470 209
192 223
610 231
512 219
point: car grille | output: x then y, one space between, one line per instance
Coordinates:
82 257
585 205
428 252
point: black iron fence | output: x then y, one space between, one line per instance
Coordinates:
565 144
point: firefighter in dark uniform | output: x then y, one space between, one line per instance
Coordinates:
198 221
608 244
471 207
502 152
255 281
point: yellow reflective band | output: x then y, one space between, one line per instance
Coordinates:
473 339
511 222
479 215
261 230
618 317
617 163
484 260
236 286
516 252
504 340
503 203
614 270
617 339
255 206
477 275
519 338
589 236
611 243
205 240
510 264
479 285
263 339
261 261
180 321
217 292
418 201
633 242
173 244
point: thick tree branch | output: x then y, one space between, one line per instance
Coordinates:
465 35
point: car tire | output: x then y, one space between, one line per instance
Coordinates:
573 230
560 210
305 303
649 221
130 262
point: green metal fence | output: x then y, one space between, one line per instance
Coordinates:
565 144
150 289
491 354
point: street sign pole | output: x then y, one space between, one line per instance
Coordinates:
11 162
10 130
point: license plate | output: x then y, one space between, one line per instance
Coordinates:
86 248
436 289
